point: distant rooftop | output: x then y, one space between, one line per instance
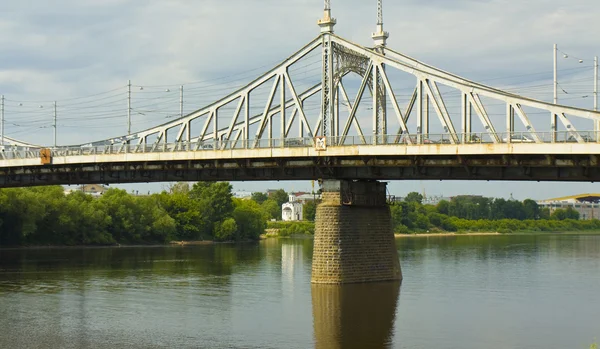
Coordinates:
593 198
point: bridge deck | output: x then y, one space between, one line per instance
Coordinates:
516 161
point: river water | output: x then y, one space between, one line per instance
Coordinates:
458 292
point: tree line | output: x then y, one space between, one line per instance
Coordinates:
204 211
473 213
208 211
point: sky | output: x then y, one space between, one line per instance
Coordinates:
81 53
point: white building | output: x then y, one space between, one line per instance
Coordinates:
90 189
292 210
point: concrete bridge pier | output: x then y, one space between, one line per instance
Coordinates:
354 241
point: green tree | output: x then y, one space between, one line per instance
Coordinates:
133 218
226 230
532 209
414 197
218 195
310 211
180 188
20 212
271 209
443 207
189 216
259 197
250 220
280 196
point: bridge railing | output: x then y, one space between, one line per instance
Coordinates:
308 142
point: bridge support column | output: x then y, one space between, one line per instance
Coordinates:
354 241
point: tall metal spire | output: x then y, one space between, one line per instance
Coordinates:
380 36
327 23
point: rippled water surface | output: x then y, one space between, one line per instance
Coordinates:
458 292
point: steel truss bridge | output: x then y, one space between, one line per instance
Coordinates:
445 127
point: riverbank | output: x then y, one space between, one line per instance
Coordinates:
190 243
524 232
273 233
445 234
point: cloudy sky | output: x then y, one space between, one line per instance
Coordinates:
81 53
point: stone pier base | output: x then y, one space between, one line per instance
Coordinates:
354 241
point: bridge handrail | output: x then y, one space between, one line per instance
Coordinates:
307 142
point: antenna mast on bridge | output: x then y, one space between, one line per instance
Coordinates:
379 96
327 24
380 37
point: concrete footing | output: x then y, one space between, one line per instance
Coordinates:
354 241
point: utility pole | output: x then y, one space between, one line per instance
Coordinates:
181 101
597 123
55 124
596 83
2 119
128 107
555 52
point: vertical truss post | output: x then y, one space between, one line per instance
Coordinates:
376 87
382 106
510 121
469 126
464 101
425 125
247 121
336 116
215 128
301 120
270 129
282 112
597 123
420 111
327 86
188 132
554 117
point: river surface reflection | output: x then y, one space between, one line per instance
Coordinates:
458 292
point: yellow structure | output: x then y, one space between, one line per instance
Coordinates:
588 205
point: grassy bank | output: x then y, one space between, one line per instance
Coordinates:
286 229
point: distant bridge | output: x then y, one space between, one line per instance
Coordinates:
445 127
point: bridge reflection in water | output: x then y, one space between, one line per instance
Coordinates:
354 316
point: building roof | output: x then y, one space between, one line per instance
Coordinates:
580 198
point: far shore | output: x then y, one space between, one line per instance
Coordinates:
444 234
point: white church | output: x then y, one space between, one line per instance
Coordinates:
292 210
